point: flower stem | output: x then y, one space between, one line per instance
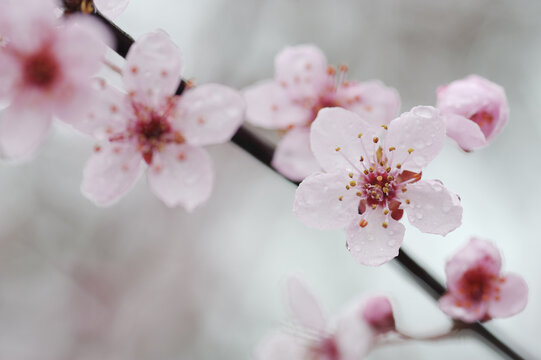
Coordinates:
263 151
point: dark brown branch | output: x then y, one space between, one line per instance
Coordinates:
263 151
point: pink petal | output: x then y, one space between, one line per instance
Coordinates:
448 304
378 313
433 209
293 157
22 130
152 69
477 252
373 244
465 132
110 173
281 346
181 175
108 112
302 71
322 201
474 95
372 100
421 129
353 335
335 142
209 114
268 105
513 297
111 8
9 75
304 307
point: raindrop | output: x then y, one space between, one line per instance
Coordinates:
419 215
423 112
391 243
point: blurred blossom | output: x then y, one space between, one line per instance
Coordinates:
45 69
373 175
111 8
474 109
150 124
476 291
303 84
378 313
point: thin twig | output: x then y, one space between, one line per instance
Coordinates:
263 151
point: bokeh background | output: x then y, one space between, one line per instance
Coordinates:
141 281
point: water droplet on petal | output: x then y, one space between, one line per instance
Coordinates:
391 243
419 215
423 112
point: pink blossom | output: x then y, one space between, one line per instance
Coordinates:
378 313
111 8
348 336
474 109
151 125
303 84
372 175
476 291
45 69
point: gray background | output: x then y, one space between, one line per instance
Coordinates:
141 281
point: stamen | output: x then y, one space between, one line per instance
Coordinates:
363 223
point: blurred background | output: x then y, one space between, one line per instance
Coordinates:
141 281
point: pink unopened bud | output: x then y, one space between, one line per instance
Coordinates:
378 313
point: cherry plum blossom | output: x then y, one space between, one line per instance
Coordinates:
476 290
303 84
372 175
111 8
45 70
475 110
348 336
150 125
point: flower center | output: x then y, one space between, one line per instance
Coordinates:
326 349
485 120
476 284
40 69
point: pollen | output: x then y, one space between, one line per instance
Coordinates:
352 183
408 201
384 224
337 148
359 193
363 223
376 139
374 206
366 172
134 70
410 150
380 178
340 198
347 187
343 68
388 169
371 169
350 175
362 158
392 148
386 211
360 135
404 190
331 71
385 127
398 166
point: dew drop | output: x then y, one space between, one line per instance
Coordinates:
391 243
419 215
357 248
423 112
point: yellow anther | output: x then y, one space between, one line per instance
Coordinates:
351 175
374 206
380 178
390 178
360 135
340 198
366 172
375 139
388 169
359 193
363 223
352 183
384 126
392 148
347 187
410 150
404 189
398 166
337 149
408 201
384 224
362 158
386 211
371 169
374 193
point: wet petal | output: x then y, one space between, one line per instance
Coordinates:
22 130
293 157
302 71
152 69
111 8
465 132
433 209
110 173
305 308
512 299
456 309
335 141
209 114
268 105
181 175
370 242
372 100
9 75
421 129
323 202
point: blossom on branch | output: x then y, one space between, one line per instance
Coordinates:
474 109
45 70
348 336
372 175
150 125
476 291
303 84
